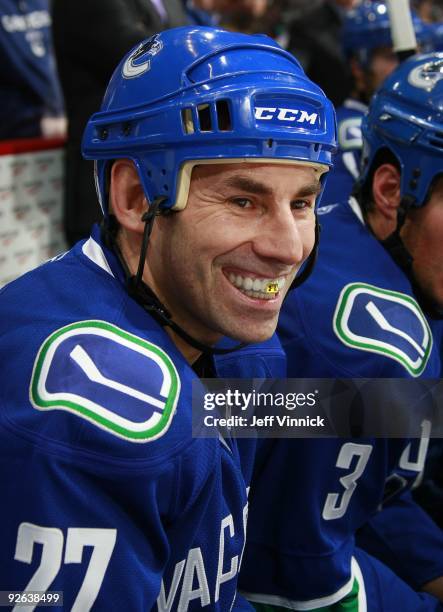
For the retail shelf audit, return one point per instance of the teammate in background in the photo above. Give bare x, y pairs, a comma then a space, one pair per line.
367, 42
369, 309
86, 58
208, 208
31, 98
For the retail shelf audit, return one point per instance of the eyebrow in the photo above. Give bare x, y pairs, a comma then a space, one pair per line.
251, 186
247, 184
308, 190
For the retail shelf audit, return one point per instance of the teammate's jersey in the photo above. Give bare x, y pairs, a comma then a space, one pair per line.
29, 84
354, 317
106, 496
342, 175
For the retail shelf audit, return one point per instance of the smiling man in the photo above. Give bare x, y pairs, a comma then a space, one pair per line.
207, 170
232, 252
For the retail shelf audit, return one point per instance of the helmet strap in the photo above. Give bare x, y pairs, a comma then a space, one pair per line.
395, 245
310, 262
399, 253
141, 292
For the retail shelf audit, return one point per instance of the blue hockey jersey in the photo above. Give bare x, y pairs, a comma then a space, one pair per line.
342, 175
106, 496
354, 317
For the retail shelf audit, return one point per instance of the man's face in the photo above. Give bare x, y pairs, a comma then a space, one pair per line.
223, 264
368, 79
423, 237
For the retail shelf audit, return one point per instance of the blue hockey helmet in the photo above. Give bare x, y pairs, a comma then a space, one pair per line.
406, 117
368, 27
196, 95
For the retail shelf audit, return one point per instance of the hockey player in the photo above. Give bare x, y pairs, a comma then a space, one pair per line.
367, 42
207, 171
369, 310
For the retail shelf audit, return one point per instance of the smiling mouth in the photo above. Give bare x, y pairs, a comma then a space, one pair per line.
257, 288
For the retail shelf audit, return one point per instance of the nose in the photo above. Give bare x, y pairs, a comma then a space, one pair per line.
284, 238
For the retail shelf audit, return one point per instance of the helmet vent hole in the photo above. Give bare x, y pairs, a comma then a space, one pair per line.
149, 173
270, 143
223, 116
163, 171
204, 117
165, 187
316, 146
188, 121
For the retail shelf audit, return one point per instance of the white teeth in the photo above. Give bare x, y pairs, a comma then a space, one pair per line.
248, 284
255, 287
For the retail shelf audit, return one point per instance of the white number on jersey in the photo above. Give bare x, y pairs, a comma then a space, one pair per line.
335, 507
102, 541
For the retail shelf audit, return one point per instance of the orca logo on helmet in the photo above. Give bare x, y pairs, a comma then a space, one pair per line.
133, 67
426, 76
289, 115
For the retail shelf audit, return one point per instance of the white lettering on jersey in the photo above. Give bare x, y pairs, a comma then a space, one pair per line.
228, 521
193, 571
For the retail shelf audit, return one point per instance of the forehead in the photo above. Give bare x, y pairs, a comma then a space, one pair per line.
270, 173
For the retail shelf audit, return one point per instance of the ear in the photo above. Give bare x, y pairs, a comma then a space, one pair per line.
386, 191
128, 201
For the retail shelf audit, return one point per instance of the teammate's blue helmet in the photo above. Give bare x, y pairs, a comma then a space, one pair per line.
196, 95
406, 117
368, 27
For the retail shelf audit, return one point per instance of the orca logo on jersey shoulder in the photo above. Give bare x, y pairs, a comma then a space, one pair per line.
116, 380
139, 61
426, 76
386, 322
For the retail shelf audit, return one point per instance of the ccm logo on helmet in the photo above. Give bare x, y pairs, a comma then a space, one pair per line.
267, 113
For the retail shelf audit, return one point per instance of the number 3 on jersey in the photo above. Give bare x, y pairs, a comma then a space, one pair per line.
337, 503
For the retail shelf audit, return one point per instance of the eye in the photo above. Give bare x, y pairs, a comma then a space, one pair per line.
301, 204
242, 202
